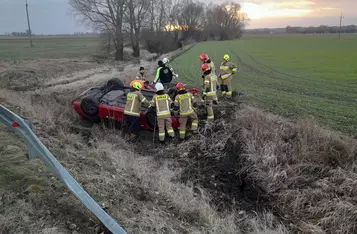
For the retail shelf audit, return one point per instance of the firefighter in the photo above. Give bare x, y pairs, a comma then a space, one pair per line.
162, 103
210, 91
166, 61
132, 112
228, 69
205, 59
163, 75
141, 74
184, 103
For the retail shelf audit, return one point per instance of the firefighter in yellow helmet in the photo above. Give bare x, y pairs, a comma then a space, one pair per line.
228, 69
162, 103
184, 103
210, 91
133, 104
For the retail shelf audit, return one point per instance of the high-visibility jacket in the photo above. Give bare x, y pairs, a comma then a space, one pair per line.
162, 104
133, 103
142, 82
210, 90
227, 69
185, 102
163, 74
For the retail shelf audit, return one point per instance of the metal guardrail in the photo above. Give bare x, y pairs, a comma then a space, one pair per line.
36, 149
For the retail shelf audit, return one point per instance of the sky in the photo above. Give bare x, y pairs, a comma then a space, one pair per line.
51, 16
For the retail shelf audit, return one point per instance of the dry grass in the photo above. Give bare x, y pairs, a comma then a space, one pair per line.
306, 173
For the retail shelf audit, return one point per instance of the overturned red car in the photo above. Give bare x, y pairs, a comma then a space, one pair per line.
108, 102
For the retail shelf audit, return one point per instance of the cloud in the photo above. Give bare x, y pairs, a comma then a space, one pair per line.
257, 9
277, 9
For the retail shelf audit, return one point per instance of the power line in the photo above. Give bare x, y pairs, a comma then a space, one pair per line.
339, 32
28, 23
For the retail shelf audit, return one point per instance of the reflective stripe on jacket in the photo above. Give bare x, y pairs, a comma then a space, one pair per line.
133, 103
162, 104
210, 86
184, 101
227, 69
163, 74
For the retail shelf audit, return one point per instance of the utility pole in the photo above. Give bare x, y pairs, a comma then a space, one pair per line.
339, 32
28, 23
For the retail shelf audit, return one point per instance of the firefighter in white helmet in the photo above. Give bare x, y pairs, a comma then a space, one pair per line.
228, 69
162, 103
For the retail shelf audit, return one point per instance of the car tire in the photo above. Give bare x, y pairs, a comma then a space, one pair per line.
89, 106
115, 84
151, 118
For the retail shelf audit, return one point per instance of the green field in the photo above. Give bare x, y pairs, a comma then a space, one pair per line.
293, 76
47, 48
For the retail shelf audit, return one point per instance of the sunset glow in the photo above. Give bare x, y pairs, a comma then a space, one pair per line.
277, 9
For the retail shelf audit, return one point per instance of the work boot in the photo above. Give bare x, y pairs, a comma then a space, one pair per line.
163, 142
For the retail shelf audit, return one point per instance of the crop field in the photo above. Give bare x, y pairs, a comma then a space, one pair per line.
294, 76
47, 47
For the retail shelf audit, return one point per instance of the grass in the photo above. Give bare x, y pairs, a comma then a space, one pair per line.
48, 48
293, 76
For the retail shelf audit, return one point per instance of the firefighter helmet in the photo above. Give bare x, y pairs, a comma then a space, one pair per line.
205, 67
137, 85
204, 57
159, 87
180, 86
226, 57
165, 61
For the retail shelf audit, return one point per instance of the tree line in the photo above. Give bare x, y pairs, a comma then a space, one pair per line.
322, 29
159, 25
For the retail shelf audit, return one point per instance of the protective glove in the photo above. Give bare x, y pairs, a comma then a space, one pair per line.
203, 76
217, 87
176, 75
195, 104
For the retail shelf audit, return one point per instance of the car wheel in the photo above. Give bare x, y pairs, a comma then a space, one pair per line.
151, 118
114, 84
89, 106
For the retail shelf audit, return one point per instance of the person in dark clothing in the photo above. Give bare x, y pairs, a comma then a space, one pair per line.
164, 75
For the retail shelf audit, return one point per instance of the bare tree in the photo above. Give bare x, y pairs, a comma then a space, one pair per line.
192, 16
104, 14
135, 17
225, 21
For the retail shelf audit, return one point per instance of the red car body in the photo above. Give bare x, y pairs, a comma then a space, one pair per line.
117, 112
